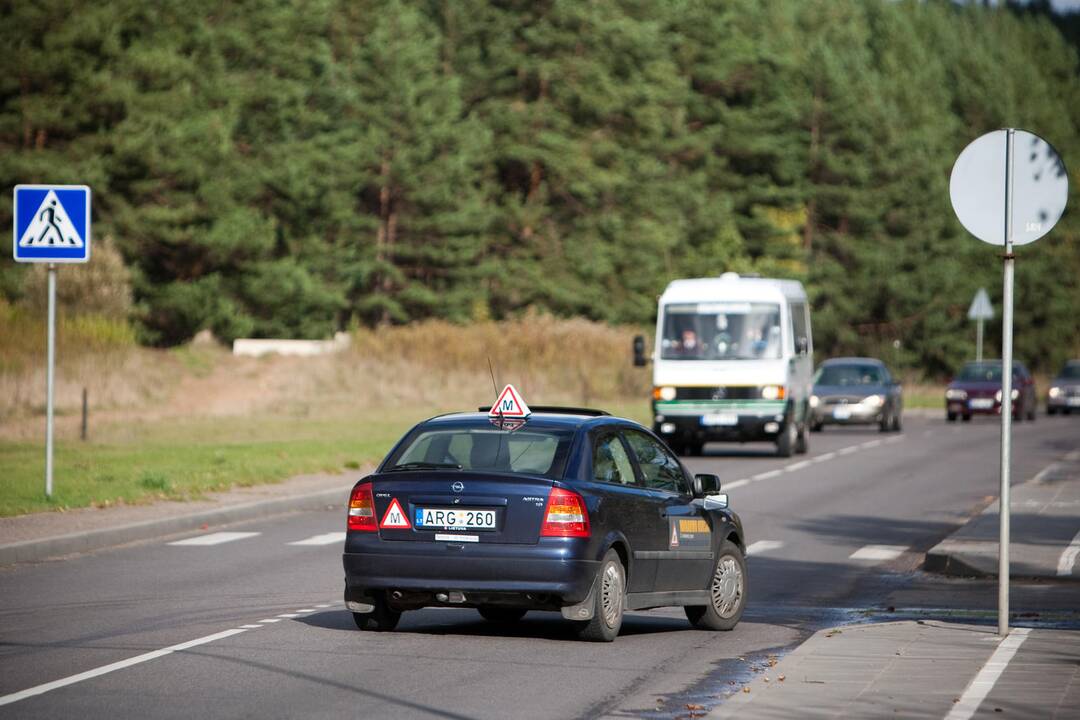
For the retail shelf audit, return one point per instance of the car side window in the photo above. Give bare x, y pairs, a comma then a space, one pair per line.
611, 464
660, 469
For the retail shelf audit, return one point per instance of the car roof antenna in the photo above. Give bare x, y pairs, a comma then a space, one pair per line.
501, 424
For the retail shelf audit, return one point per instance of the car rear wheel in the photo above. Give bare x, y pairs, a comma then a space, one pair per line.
727, 592
802, 441
1051, 411
609, 593
496, 614
967, 418
951, 417
382, 619
897, 423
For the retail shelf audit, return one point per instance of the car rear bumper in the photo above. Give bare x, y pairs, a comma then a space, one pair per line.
419, 568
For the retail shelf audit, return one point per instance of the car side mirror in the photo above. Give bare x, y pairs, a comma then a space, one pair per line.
802, 345
706, 484
639, 351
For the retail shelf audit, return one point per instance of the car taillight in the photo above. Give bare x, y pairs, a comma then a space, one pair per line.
362, 509
565, 515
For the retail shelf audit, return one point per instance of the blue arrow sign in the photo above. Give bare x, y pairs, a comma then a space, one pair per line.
52, 223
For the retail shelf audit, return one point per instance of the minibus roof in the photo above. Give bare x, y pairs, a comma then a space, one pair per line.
730, 287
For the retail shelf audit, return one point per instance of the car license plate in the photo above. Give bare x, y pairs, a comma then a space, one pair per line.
841, 413
720, 419
455, 518
1074, 402
982, 404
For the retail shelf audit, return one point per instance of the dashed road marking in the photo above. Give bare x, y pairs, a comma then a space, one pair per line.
250, 627
267, 621
289, 615
849, 450
215, 538
768, 474
306, 610
824, 458
324, 606
1068, 557
113, 667
797, 466
324, 539
761, 546
984, 682
871, 443
894, 439
878, 553
736, 484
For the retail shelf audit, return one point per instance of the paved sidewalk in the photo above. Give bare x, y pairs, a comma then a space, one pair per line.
40, 536
1044, 530
918, 669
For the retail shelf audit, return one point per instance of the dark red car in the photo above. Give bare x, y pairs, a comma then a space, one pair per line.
977, 391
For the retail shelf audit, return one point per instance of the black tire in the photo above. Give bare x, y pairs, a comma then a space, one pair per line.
1051, 410
504, 615
1031, 413
382, 619
886, 424
694, 448
727, 589
966, 418
785, 443
609, 595
950, 417
1018, 417
816, 427
802, 441
897, 423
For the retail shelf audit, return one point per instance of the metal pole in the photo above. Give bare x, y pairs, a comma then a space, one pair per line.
85, 414
49, 383
1006, 398
978, 340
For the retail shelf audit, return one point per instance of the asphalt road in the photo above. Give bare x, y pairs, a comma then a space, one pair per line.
834, 535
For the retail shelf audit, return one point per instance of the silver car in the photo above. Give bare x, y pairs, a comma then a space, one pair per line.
1064, 392
856, 391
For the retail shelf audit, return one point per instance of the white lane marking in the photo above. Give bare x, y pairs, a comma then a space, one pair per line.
878, 553
1068, 557
288, 615
736, 484
1041, 475
113, 667
849, 450
270, 620
743, 482
251, 627
306, 610
325, 539
768, 474
824, 458
215, 538
871, 443
984, 682
797, 466
323, 607
894, 439
756, 548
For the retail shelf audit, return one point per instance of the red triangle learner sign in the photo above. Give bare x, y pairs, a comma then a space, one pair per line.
509, 405
395, 518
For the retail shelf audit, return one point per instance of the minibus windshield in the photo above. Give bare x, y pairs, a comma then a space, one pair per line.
720, 331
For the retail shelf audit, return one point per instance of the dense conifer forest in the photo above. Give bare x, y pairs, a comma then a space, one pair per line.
269, 168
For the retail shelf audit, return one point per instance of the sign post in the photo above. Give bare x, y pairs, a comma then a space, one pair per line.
1007, 198
51, 225
980, 311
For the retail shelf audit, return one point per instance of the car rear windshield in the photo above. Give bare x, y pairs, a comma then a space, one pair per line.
1071, 371
526, 451
848, 375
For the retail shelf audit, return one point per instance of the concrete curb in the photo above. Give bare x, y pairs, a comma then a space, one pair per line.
36, 550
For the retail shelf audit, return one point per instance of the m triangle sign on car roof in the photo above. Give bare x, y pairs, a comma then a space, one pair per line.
510, 405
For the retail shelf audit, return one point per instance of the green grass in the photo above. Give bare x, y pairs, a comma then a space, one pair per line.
135, 463
179, 461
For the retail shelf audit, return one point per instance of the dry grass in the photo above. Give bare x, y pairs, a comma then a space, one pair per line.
427, 367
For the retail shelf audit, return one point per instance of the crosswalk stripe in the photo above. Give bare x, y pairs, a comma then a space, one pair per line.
761, 546
215, 538
878, 553
324, 539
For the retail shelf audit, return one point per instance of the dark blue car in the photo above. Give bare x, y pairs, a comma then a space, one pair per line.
568, 510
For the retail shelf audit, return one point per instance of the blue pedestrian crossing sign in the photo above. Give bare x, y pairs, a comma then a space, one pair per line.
52, 223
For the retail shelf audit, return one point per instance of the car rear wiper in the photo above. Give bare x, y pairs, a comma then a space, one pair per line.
425, 466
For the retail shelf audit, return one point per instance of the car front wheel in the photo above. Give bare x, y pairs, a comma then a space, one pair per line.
727, 592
